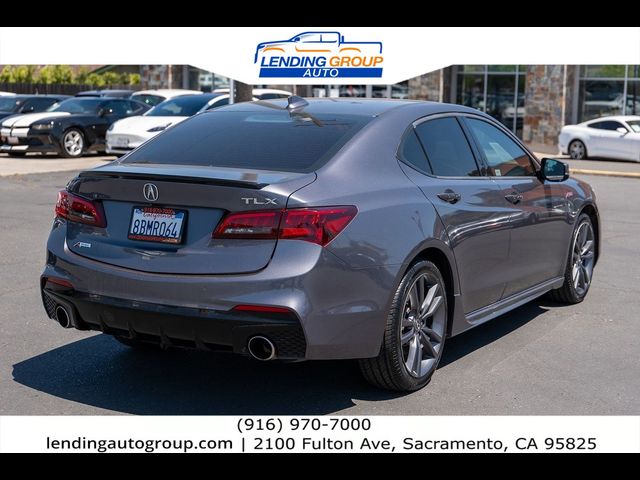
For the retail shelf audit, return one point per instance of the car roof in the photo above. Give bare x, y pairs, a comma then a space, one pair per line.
207, 96
615, 118
98, 99
369, 107
168, 92
44, 95
104, 93
256, 91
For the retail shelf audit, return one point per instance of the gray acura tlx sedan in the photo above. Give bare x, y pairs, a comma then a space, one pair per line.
319, 229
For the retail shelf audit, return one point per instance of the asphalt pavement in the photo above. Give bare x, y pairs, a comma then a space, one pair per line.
542, 358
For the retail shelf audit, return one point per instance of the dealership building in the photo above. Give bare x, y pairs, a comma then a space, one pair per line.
534, 101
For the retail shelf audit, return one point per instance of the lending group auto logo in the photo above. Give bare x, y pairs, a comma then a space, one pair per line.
319, 55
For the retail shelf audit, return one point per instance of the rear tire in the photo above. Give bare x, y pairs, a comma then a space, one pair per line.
578, 273
577, 150
415, 332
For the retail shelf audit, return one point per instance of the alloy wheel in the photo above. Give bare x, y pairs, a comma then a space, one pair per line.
422, 329
583, 258
73, 143
577, 150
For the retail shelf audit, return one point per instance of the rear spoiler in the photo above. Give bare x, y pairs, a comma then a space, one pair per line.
225, 182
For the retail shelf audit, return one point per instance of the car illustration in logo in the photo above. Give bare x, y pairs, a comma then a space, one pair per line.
319, 54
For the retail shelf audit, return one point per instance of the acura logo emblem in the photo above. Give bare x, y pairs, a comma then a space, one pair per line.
150, 192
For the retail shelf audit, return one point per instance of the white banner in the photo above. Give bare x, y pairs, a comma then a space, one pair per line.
320, 55
410, 434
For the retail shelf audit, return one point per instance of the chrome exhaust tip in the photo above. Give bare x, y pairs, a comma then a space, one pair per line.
261, 348
63, 317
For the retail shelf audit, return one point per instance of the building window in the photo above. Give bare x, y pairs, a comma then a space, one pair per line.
398, 91
609, 90
495, 89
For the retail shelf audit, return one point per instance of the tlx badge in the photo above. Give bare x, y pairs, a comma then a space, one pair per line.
257, 201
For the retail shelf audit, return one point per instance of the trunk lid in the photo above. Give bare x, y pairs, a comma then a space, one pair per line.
204, 194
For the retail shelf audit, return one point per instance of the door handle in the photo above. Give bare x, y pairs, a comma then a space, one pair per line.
449, 196
514, 197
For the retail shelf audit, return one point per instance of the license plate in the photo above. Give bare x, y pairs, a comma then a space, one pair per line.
120, 142
157, 224
13, 140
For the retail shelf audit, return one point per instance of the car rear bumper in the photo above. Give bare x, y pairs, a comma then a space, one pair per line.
176, 326
341, 311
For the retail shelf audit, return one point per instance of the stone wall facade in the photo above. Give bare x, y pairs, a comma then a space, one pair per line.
161, 76
549, 92
427, 87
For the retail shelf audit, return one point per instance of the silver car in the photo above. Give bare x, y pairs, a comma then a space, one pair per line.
319, 229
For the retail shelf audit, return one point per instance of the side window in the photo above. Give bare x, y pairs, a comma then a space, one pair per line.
134, 108
611, 125
116, 107
411, 152
37, 104
219, 103
606, 125
310, 38
447, 148
504, 156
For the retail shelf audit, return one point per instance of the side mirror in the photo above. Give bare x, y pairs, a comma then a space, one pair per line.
102, 112
622, 130
554, 170
28, 110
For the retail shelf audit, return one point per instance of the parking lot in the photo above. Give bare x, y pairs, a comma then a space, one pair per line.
542, 358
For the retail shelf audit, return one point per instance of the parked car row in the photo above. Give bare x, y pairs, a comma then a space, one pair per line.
13, 104
99, 120
125, 135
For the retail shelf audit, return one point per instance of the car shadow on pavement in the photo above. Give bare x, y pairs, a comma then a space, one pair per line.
100, 372
489, 332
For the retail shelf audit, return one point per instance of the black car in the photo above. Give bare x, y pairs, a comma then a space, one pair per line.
69, 128
105, 93
27, 104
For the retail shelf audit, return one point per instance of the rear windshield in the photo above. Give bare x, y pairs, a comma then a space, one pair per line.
269, 140
184, 106
148, 99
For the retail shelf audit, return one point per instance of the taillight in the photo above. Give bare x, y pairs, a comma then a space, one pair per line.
81, 210
249, 225
316, 225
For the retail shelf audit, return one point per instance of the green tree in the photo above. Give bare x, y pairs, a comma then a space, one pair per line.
17, 74
55, 74
6, 74
45, 75
81, 75
134, 79
95, 80
110, 78
24, 73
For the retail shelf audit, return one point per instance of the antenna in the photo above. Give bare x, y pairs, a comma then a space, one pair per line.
296, 103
